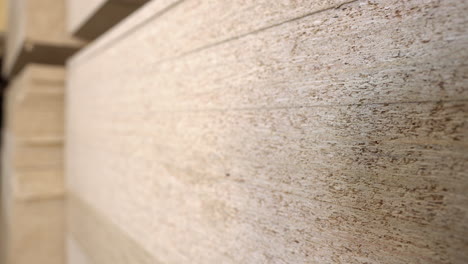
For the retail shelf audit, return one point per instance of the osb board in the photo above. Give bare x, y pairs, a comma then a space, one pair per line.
34, 104
179, 27
88, 19
35, 232
36, 33
337, 137
232, 181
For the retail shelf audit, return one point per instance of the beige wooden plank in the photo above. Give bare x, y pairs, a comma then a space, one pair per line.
36, 170
32, 168
89, 19
32, 213
39, 184
337, 137
36, 80
183, 26
356, 177
34, 134
36, 33
34, 103
35, 233
297, 63
30, 125
30, 156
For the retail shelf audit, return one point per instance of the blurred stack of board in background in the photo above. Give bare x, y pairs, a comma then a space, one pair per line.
33, 196
32, 174
40, 36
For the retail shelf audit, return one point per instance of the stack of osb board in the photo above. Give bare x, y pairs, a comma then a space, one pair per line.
33, 195
271, 132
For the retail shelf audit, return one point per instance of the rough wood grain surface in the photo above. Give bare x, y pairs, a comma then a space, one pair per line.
336, 137
36, 33
200, 24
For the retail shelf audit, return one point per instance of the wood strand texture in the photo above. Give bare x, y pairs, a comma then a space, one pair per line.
305, 132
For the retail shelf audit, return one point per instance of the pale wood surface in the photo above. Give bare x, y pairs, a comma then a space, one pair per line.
337, 137
36, 169
198, 24
33, 133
